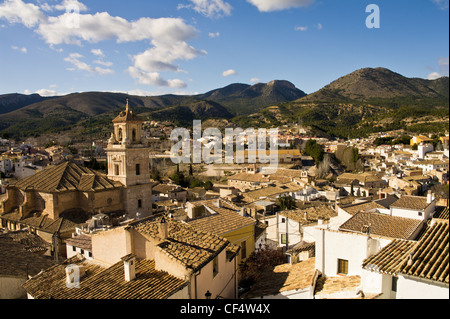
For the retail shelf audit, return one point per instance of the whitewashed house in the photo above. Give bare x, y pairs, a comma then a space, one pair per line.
406, 269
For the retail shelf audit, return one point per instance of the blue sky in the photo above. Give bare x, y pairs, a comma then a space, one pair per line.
193, 46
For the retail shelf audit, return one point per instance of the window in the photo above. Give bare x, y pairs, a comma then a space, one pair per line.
82, 251
342, 267
420, 214
90, 254
394, 283
138, 169
116, 169
215, 266
139, 203
283, 239
133, 135
74, 248
244, 250
283, 220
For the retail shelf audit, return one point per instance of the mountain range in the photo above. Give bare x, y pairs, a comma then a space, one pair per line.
354, 100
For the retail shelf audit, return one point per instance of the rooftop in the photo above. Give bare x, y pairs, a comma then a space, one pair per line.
20, 256
411, 202
104, 283
382, 225
283, 278
309, 215
81, 241
222, 221
67, 177
426, 258
193, 247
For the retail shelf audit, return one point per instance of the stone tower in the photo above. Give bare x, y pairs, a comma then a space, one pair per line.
128, 163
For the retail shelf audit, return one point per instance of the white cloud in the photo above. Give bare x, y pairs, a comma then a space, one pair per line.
214, 34
75, 60
433, 76
104, 63
71, 5
301, 28
277, 5
229, 72
168, 36
46, 7
97, 52
255, 80
209, 8
442, 4
46, 92
319, 26
154, 78
23, 50
16, 11
443, 65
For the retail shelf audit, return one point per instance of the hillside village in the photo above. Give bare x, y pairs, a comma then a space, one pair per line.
338, 219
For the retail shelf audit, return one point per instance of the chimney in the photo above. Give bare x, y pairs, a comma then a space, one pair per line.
163, 230
74, 274
129, 266
429, 197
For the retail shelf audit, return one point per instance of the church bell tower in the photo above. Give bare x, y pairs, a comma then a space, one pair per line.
129, 163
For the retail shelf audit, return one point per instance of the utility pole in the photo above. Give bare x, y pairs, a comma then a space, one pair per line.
287, 234
90, 125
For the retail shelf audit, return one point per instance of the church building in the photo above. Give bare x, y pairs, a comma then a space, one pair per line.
52, 202
129, 163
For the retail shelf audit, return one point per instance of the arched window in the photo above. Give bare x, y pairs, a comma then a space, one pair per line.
120, 134
133, 135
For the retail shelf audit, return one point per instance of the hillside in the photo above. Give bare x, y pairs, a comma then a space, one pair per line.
362, 102
242, 99
371, 84
183, 115
15, 101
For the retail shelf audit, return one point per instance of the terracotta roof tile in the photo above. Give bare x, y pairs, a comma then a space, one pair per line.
411, 202
310, 215
81, 241
67, 177
427, 258
222, 221
192, 247
284, 277
104, 283
382, 225
19, 257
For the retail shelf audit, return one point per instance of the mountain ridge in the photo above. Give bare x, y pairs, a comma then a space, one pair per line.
365, 95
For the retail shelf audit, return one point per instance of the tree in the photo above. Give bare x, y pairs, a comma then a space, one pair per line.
208, 185
256, 263
323, 169
313, 149
155, 174
287, 203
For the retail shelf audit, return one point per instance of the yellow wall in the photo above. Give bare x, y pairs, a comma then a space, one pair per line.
243, 234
